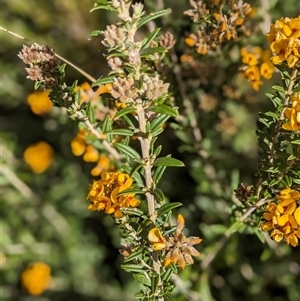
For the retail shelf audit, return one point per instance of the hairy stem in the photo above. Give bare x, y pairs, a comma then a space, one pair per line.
145, 147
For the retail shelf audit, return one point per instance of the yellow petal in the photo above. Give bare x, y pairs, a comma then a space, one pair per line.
297, 215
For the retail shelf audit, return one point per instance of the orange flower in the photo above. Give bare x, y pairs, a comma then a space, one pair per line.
36, 278
39, 156
39, 102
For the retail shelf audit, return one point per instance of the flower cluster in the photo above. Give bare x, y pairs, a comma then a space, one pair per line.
43, 64
36, 278
104, 193
125, 91
216, 23
39, 102
293, 115
39, 156
257, 64
283, 218
179, 247
79, 147
284, 39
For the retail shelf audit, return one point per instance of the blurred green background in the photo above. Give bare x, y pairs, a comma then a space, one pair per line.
44, 217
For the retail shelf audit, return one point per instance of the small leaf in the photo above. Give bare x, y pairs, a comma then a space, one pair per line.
127, 150
168, 207
131, 190
159, 195
95, 33
278, 88
133, 268
154, 283
146, 42
158, 122
103, 4
167, 275
147, 18
157, 150
142, 279
163, 109
123, 112
134, 255
90, 113
121, 132
153, 50
132, 211
103, 81
106, 127
159, 171
168, 161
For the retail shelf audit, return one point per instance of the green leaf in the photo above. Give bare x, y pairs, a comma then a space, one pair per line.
278, 88
103, 4
127, 150
157, 150
123, 112
131, 190
146, 42
132, 211
154, 283
272, 114
147, 18
168, 207
142, 279
158, 122
106, 127
153, 50
95, 33
168, 161
159, 195
90, 112
164, 109
137, 268
159, 171
77, 98
121, 132
167, 275
103, 81
135, 254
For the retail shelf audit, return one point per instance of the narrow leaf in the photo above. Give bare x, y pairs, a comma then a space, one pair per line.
153, 50
123, 112
158, 194
163, 109
158, 173
127, 150
132, 268
167, 161
152, 16
146, 42
103, 81
121, 132
168, 207
142, 279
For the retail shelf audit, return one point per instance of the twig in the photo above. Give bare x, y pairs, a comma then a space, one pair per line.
89, 77
220, 244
